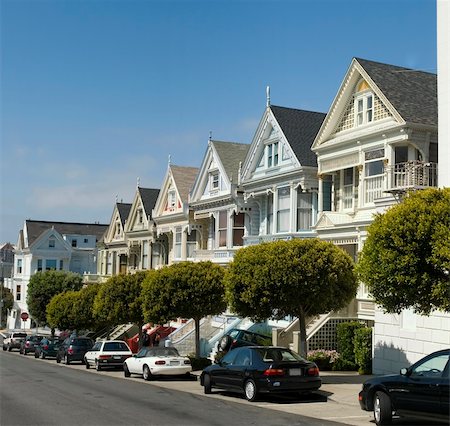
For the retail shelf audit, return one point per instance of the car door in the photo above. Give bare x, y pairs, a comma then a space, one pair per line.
445, 392
91, 355
237, 370
220, 374
136, 362
422, 387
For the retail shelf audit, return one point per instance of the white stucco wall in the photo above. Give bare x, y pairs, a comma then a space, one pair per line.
400, 340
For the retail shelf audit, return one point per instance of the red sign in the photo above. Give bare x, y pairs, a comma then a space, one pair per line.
24, 316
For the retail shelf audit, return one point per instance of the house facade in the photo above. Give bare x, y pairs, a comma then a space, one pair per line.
379, 141
216, 200
44, 246
6, 261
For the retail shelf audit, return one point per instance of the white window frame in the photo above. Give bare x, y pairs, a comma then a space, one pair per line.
171, 199
273, 154
347, 197
365, 114
214, 181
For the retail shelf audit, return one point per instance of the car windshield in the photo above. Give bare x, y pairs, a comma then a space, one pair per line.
116, 346
81, 342
162, 352
278, 354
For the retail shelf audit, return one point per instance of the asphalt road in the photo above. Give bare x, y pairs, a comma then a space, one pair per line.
35, 392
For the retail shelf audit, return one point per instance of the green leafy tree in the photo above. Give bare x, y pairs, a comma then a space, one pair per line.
301, 278
184, 290
405, 261
118, 300
7, 302
60, 312
44, 285
83, 308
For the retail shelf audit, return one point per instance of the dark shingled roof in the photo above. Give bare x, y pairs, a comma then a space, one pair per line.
36, 227
124, 211
412, 93
148, 197
184, 178
300, 128
230, 155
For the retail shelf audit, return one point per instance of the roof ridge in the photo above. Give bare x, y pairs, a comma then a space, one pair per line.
393, 66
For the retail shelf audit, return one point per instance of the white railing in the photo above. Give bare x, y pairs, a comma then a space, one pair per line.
373, 188
413, 174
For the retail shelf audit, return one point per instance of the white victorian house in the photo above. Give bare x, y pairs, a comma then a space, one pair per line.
217, 202
177, 234
43, 246
378, 141
279, 175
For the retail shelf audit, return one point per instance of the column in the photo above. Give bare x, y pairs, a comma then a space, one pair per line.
320, 197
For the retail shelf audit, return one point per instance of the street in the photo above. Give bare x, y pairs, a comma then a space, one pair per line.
35, 392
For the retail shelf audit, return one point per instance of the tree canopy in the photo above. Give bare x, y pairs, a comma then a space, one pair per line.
184, 290
83, 309
298, 277
44, 285
405, 261
60, 312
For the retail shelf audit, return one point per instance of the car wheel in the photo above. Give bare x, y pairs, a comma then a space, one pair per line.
382, 409
4, 348
86, 364
98, 367
58, 359
146, 373
9, 348
250, 390
25, 352
66, 360
36, 355
207, 384
225, 343
42, 355
20, 351
126, 372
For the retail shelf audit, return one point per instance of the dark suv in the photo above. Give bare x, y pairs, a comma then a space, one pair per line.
236, 338
73, 349
28, 345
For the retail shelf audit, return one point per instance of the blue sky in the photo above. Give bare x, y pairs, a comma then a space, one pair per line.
96, 93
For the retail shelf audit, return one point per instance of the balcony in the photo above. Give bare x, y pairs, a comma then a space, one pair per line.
215, 256
412, 174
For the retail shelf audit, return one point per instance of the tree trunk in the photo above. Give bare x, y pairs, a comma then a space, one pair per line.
302, 321
140, 341
197, 337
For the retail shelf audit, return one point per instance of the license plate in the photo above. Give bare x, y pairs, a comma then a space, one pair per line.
117, 357
174, 362
295, 372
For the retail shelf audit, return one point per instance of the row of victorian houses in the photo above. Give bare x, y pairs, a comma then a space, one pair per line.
304, 175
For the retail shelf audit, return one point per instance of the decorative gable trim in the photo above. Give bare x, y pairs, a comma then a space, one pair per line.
114, 226
50, 233
137, 220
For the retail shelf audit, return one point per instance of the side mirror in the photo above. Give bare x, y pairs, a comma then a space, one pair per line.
404, 371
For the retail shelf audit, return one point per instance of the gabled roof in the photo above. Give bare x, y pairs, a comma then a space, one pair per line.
184, 178
412, 93
230, 155
36, 227
148, 197
124, 211
300, 128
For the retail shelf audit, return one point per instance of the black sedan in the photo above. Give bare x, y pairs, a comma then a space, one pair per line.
261, 369
48, 348
420, 391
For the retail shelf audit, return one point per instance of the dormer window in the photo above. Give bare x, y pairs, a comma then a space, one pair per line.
272, 154
214, 181
140, 216
171, 198
364, 109
51, 243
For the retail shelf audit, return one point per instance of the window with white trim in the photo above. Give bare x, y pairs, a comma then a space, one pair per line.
284, 211
238, 229
50, 264
19, 266
364, 109
171, 199
18, 292
178, 235
269, 214
272, 154
223, 222
304, 210
145, 249
39, 265
347, 190
51, 243
373, 174
214, 181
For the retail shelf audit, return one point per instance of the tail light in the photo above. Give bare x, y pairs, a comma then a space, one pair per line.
233, 343
187, 362
45, 347
274, 372
104, 357
160, 362
312, 371
70, 350
27, 344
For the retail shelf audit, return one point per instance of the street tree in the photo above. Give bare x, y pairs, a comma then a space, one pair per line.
184, 290
83, 309
118, 300
301, 278
6, 302
405, 261
60, 312
44, 285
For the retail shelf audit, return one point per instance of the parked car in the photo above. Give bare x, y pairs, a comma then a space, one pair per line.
27, 346
236, 338
13, 340
421, 391
47, 348
73, 349
150, 362
261, 369
108, 353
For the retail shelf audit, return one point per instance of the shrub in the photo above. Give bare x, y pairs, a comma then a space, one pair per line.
323, 358
363, 349
344, 365
345, 333
199, 363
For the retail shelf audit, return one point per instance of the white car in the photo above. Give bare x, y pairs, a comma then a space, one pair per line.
156, 361
108, 353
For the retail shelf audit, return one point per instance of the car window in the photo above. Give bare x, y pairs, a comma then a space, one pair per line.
97, 346
82, 342
142, 353
432, 367
278, 354
233, 333
243, 358
162, 352
116, 346
229, 357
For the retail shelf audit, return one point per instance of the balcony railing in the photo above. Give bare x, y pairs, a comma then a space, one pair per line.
412, 174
